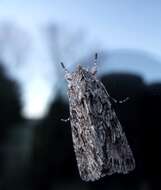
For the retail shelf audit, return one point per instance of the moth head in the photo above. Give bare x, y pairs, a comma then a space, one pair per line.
80, 72
80, 75
93, 70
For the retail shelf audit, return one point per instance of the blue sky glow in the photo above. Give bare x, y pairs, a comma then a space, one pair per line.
113, 24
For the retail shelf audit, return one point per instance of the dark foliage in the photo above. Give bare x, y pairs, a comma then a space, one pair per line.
53, 156
54, 164
10, 104
10, 114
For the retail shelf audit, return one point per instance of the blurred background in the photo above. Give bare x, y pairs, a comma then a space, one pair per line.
36, 150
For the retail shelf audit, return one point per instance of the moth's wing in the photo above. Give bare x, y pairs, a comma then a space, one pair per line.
83, 141
116, 150
100, 144
120, 157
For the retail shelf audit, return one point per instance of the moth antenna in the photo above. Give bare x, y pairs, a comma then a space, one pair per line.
67, 73
65, 69
95, 58
94, 68
62, 64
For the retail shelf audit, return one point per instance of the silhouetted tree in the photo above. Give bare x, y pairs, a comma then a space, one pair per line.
10, 109
10, 103
53, 154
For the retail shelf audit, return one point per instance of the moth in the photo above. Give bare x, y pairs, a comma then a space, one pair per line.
100, 144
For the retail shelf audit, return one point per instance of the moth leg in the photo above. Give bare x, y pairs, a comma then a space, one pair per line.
119, 101
113, 99
66, 120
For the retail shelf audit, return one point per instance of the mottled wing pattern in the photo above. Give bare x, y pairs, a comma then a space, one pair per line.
100, 145
118, 152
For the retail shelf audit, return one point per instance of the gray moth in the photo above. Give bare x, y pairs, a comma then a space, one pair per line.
100, 144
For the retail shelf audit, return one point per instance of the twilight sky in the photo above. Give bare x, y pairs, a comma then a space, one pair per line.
112, 24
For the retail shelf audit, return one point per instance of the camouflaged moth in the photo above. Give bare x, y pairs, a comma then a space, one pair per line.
100, 145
